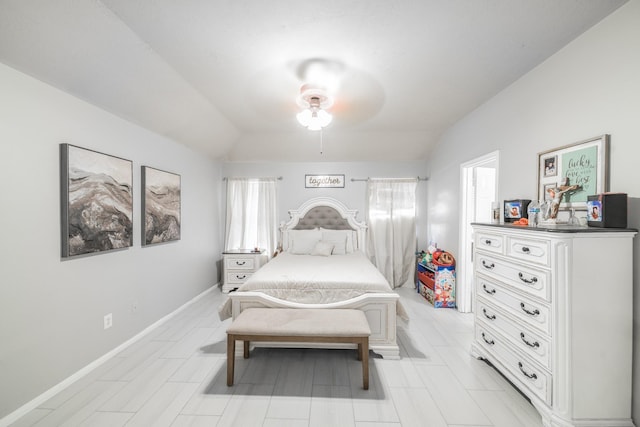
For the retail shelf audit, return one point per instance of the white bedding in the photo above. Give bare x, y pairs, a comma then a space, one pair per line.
312, 279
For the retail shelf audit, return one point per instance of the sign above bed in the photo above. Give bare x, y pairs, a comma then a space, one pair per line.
324, 181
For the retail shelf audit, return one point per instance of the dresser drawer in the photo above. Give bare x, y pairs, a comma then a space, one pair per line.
240, 263
237, 277
531, 250
524, 372
533, 313
534, 345
527, 279
489, 241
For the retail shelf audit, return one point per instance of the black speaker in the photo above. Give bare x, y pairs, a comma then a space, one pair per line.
607, 210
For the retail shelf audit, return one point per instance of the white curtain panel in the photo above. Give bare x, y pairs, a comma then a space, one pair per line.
391, 216
252, 214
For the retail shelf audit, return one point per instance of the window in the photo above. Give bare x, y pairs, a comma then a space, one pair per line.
251, 214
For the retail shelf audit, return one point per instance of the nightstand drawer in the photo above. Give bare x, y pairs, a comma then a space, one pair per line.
237, 277
239, 263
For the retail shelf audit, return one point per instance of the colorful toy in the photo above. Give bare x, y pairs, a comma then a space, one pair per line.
435, 279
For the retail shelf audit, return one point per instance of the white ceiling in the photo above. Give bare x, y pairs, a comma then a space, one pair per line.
223, 76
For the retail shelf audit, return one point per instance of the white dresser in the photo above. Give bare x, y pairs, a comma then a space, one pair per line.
553, 313
238, 266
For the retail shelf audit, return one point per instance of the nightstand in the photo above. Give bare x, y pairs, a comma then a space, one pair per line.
238, 265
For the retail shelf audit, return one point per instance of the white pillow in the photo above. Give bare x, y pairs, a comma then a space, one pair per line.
293, 234
340, 235
339, 243
322, 248
301, 242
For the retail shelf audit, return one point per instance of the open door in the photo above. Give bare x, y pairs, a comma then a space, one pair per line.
479, 189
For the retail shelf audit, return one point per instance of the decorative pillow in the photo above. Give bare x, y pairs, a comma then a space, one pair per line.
322, 248
339, 243
302, 241
346, 236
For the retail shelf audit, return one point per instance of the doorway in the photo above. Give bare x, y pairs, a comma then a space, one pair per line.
478, 189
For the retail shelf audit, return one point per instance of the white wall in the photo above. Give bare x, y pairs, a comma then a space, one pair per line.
292, 192
589, 88
51, 310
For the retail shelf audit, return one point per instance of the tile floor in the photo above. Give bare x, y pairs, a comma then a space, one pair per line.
176, 376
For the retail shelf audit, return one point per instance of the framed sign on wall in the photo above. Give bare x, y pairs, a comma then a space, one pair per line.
324, 181
584, 164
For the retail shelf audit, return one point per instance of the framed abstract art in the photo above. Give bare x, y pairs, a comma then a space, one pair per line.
96, 199
161, 206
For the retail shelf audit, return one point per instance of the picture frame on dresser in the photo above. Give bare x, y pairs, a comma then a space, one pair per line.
584, 163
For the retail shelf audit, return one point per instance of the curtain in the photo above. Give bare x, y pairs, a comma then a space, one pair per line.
251, 214
391, 217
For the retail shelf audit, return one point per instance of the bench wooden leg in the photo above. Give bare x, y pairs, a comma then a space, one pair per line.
365, 363
231, 354
246, 349
359, 351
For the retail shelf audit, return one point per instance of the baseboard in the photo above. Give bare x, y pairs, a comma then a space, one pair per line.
34, 403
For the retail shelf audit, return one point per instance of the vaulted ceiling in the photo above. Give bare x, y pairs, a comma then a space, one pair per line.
222, 76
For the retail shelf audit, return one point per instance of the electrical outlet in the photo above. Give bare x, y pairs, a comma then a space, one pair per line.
108, 320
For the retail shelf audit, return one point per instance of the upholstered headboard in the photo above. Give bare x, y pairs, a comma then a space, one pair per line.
323, 216
327, 213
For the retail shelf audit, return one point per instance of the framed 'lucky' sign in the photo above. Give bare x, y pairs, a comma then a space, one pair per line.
584, 164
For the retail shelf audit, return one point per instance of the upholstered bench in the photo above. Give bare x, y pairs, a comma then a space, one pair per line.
302, 326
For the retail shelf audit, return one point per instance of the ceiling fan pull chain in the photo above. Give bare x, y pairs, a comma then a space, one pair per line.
321, 145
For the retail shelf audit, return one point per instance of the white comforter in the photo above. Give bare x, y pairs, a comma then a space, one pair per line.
312, 279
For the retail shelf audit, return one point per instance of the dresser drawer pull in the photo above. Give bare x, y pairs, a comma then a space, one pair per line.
535, 312
490, 317
241, 262
487, 266
525, 249
490, 342
487, 242
487, 290
532, 376
524, 340
241, 277
533, 279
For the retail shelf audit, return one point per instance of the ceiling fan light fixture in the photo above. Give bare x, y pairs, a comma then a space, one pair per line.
323, 118
314, 101
304, 117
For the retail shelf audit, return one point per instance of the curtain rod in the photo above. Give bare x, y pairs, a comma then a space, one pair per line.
367, 179
279, 178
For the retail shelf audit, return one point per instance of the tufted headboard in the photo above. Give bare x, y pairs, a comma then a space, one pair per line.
323, 216
327, 213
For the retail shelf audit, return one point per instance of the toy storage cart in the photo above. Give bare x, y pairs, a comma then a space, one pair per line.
437, 283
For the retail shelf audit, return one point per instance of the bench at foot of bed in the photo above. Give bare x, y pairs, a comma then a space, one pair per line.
300, 325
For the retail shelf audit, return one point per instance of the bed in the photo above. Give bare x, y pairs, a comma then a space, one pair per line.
323, 265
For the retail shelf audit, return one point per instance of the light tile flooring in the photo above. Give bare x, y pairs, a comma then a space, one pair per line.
176, 376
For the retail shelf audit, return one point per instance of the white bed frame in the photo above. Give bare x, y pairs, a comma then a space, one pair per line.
380, 308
